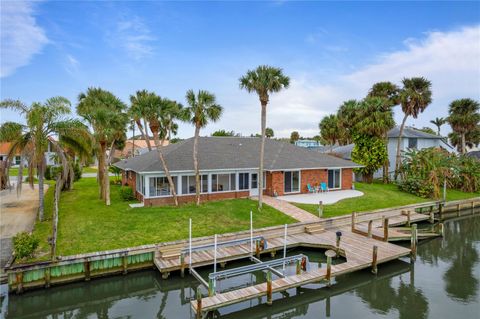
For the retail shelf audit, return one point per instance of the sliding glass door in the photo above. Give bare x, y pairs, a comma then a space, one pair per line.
333, 178
291, 181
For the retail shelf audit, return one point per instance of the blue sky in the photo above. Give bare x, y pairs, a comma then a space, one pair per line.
333, 51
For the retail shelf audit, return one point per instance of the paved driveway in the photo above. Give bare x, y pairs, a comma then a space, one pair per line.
17, 214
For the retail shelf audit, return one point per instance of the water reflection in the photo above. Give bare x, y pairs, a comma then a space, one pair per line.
400, 290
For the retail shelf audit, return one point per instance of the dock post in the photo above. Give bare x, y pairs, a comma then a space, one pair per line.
432, 217
125, 264
440, 210
458, 210
369, 234
385, 229
19, 282
408, 218
211, 288
327, 307
329, 254
199, 303
354, 217
320, 209
339, 237
298, 269
269, 288
86, 265
47, 277
413, 243
182, 265
441, 229
374, 260
257, 249
473, 207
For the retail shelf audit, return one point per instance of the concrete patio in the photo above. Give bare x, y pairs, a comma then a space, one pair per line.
326, 197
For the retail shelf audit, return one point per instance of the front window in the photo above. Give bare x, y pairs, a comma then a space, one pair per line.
292, 181
243, 181
17, 160
333, 178
189, 185
412, 143
223, 182
140, 187
159, 186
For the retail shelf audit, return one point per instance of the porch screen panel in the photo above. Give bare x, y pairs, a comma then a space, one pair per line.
243, 181
159, 186
189, 184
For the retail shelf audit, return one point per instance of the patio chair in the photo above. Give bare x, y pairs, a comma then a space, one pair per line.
311, 189
323, 187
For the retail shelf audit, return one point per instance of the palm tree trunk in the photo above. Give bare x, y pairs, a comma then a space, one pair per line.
397, 157
165, 168
101, 169
464, 146
386, 164
262, 152
41, 190
145, 135
195, 164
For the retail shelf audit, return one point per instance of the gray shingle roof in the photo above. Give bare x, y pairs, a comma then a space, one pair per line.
232, 153
410, 132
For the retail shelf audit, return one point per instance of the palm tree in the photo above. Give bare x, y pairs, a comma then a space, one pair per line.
329, 130
472, 138
414, 97
105, 113
346, 119
202, 109
438, 122
43, 122
264, 80
463, 117
387, 90
154, 111
9, 131
137, 113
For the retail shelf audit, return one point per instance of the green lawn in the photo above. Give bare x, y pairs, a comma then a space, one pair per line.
89, 169
376, 196
87, 225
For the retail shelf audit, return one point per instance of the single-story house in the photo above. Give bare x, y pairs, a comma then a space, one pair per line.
135, 147
50, 154
229, 169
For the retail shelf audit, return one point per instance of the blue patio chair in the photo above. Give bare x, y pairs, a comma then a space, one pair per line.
310, 189
323, 187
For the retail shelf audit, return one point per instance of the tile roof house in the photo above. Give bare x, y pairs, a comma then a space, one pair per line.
229, 169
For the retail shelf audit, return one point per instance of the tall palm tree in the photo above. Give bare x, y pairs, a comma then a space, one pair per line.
9, 131
105, 113
202, 109
438, 122
414, 97
43, 122
387, 90
137, 112
264, 80
155, 110
346, 119
463, 117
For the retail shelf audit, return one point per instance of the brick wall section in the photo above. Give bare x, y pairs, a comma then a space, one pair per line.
274, 183
191, 198
347, 178
129, 179
313, 177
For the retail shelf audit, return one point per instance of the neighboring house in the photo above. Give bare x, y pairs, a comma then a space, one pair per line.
135, 148
308, 143
50, 155
229, 169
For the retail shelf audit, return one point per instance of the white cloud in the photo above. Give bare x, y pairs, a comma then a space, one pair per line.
71, 64
134, 37
450, 60
21, 37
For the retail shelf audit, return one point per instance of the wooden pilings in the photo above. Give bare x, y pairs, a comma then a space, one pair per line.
413, 243
370, 224
269, 288
125, 264
408, 218
298, 269
19, 278
385, 229
257, 249
354, 217
374, 259
330, 254
86, 265
211, 288
199, 303
47, 277
182, 265
458, 210
432, 216
441, 229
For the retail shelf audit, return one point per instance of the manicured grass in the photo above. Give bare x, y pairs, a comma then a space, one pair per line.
87, 225
89, 169
376, 196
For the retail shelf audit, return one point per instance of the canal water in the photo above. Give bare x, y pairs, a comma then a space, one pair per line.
443, 283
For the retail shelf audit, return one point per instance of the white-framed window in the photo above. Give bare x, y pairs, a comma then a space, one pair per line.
243, 181
291, 181
139, 185
189, 185
334, 178
159, 186
17, 160
223, 182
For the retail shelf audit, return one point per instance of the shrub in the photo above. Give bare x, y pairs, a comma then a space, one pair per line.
126, 193
417, 187
24, 245
48, 174
77, 171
